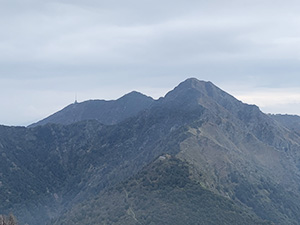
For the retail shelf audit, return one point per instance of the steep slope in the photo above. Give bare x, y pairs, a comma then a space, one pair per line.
239, 152
162, 193
106, 112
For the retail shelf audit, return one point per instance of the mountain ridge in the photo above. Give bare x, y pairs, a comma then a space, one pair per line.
107, 112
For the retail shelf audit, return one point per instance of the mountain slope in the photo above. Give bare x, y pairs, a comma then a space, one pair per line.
162, 193
106, 112
243, 154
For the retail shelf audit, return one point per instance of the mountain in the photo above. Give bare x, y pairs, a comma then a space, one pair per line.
224, 155
106, 112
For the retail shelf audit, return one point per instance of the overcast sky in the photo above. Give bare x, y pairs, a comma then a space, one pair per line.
50, 50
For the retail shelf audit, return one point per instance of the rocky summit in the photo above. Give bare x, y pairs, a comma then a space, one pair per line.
195, 156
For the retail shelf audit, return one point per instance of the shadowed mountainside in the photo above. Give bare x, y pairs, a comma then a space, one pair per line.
106, 112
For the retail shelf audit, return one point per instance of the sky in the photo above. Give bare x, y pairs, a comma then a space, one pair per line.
52, 51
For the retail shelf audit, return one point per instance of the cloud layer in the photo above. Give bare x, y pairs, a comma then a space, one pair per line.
102, 49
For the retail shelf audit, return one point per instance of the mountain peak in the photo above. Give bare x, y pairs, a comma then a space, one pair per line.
205, 87
194, 81
193, 88
135, 95
192, 93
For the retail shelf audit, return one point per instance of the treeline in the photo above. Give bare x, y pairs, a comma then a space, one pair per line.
8, 220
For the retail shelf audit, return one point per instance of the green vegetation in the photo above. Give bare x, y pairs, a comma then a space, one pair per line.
161, 194
44, 169
268, 201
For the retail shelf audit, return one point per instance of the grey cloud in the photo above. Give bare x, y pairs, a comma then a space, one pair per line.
88, 45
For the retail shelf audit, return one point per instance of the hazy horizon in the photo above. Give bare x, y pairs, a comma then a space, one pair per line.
245, 99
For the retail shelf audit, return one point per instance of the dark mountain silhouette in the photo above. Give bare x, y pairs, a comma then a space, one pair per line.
229, 156
106, 112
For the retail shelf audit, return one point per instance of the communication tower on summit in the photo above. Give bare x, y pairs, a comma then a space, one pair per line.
75, 98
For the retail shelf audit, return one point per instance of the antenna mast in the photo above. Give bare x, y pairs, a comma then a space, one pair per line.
76, 98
